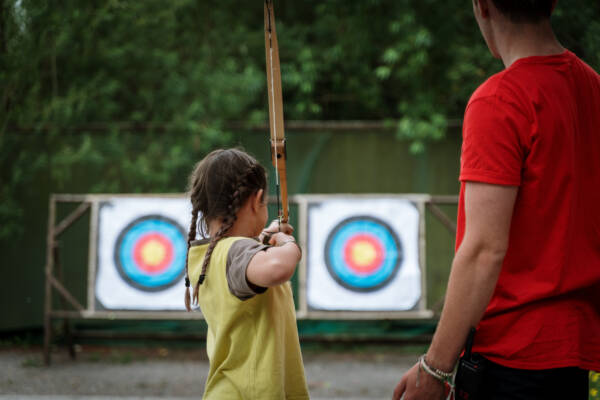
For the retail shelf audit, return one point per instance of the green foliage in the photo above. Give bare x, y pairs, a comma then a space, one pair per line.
594, 385
124, 96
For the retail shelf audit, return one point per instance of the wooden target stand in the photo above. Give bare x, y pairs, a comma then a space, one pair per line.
69, 308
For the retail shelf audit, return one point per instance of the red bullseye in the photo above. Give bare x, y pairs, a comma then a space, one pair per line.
153, 253
363, 253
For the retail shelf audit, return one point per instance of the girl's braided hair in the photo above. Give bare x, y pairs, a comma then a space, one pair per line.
219, 186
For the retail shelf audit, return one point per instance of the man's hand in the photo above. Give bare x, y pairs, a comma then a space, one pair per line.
429, 388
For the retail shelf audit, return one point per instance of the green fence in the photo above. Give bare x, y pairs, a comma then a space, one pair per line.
354, 161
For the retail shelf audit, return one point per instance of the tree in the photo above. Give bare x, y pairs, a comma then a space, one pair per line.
133, 93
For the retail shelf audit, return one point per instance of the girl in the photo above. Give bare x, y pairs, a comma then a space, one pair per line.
242, 285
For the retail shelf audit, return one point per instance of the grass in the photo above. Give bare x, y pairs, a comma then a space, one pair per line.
32, 362
23, 341
594, 385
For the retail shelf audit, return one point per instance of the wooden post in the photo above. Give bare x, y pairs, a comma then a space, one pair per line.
48, 272
303, 239
66, 322
92, 257
442, 217
422, 255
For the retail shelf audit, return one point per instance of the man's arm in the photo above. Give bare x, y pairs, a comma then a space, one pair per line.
473, 278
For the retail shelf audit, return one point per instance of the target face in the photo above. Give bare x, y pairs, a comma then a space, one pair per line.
363, 253
150, 253
141, 252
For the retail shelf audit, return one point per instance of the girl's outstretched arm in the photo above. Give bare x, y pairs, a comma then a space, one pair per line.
277, 264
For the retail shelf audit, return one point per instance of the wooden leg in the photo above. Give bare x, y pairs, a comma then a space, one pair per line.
66, 322
47, 338
69, 339
48, 274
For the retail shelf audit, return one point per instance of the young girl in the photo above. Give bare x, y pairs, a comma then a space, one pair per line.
242, 285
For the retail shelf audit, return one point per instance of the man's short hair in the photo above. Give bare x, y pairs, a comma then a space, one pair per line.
525, 10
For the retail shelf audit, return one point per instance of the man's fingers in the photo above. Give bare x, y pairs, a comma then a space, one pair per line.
400, 388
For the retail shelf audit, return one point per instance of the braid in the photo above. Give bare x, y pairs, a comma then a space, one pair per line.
213, 243
191, 236
239, 193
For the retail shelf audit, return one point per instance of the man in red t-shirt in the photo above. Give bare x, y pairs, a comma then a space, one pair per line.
527, 267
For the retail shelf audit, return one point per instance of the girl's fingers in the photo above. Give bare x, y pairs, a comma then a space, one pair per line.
280, 238
273, 240
276, 226
286, 228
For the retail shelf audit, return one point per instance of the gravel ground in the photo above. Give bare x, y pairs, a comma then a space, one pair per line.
101, 373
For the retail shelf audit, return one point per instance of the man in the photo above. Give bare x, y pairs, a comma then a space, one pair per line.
527, 267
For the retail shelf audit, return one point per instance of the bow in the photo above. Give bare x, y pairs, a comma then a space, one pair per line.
278, 147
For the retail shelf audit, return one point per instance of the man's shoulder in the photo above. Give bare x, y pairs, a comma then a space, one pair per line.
525, 76
490, 88
512, 85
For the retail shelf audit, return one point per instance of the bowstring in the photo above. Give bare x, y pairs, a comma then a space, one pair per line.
274, 122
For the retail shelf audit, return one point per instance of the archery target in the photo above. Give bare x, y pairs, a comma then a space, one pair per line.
150, 253
142, 248
363, 254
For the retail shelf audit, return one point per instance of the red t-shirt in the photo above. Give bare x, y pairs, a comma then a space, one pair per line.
536, 125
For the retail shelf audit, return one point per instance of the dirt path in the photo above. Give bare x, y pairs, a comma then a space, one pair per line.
166, 373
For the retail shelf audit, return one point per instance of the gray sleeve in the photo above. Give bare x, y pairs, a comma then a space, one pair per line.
239, 256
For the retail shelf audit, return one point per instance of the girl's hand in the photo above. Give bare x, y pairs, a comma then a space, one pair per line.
280, 238
274, 227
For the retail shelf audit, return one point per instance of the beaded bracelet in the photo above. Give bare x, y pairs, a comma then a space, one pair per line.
444, 377
447, 378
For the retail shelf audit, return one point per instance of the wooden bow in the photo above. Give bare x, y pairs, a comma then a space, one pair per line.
278, 147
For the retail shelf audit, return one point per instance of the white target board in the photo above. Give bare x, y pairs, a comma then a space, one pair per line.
363, 255
142, 247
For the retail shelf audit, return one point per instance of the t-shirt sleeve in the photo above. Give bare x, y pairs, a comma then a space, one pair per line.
239, 256
493, 137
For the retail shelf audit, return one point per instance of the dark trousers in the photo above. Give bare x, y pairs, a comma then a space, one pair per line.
503, 383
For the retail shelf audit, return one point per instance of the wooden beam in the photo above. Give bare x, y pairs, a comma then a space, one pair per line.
442, 217
71, 218
444, 199
129, 315
65, 293
366, 315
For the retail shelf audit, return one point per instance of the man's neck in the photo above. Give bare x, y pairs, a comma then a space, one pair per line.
517, 41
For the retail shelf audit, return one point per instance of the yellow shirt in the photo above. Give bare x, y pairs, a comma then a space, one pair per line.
252, 344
